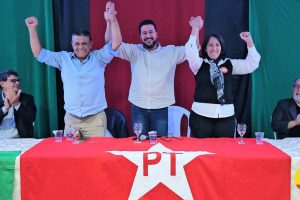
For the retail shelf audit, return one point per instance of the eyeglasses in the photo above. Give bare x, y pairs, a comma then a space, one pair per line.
296, 86
14, 80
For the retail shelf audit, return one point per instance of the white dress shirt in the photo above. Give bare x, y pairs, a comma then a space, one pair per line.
152, 74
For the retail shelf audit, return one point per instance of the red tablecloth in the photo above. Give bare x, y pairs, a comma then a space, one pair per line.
87, 170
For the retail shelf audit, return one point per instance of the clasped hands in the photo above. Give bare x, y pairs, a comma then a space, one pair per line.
196, 22
110, 12
11, 98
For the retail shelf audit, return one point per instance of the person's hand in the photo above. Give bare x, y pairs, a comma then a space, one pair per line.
196, 22
247, 38
297, 120
110, 7
110, 12
7, 104
12, 96
109, 17
31, 22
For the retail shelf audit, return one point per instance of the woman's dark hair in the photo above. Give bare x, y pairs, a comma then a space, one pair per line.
221, 41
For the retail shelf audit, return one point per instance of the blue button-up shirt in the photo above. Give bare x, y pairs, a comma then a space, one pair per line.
83, 82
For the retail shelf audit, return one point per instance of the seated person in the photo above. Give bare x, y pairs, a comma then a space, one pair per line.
18, 110
286, 116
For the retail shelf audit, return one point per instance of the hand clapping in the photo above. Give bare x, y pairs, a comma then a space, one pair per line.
11, 97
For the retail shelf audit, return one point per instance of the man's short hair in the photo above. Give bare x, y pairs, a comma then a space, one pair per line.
82, 33
147, 22
4, 75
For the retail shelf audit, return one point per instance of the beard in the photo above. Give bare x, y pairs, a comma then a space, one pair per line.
151, 46
296, 98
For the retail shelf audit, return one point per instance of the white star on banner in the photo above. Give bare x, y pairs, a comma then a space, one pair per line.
160, 165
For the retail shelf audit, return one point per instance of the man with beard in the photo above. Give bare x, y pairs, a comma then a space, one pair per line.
152, 78
18, 110
286, 116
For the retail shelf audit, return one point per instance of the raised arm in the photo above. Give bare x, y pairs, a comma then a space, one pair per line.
192, 47
35, 44
196, 23
251, 63
107, 35
246, 36
112, 27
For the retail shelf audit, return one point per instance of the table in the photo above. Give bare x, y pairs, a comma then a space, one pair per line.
108, 168
17, 144
291, 146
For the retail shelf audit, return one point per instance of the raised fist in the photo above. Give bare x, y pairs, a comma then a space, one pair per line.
247, 38
196, 22
31, 22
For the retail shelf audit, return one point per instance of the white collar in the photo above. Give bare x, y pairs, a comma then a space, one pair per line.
219, 63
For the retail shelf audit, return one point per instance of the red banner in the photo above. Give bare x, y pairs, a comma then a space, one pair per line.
105, 168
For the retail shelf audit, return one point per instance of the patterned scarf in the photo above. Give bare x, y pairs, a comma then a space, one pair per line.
217, 79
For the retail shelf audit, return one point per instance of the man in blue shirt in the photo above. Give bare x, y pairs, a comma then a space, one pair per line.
82, 73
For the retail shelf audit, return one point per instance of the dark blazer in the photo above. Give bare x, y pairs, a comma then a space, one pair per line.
24, 116
284, 112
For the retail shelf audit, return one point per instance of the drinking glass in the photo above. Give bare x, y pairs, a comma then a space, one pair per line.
76, 135
69, 134
241, 129
58, 135
137, 128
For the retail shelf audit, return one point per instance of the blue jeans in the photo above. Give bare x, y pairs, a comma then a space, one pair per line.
152, 119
